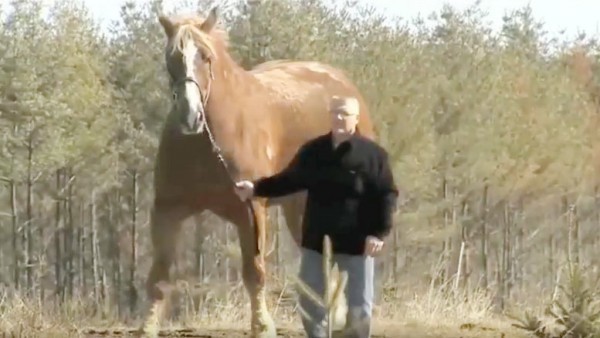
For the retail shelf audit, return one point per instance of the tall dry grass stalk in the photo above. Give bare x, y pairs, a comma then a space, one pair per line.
331, 301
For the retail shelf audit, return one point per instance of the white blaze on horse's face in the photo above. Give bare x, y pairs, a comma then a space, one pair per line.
192, 91
189, 66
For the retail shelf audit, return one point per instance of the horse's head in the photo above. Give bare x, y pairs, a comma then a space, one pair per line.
189, 53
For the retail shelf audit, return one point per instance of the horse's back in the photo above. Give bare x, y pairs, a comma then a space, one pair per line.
311, 72
305, 88
296, 95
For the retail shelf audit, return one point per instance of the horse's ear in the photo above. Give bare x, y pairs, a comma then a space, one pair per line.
210, 21
166, 24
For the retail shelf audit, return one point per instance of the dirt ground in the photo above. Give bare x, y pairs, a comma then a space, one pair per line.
401, 331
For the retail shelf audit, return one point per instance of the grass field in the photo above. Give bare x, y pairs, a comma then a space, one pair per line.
429, 315
382, 329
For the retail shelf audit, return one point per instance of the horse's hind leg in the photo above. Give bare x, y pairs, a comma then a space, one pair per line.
165, 226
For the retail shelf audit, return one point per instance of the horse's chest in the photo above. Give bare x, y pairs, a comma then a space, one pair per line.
192, 168
209, 170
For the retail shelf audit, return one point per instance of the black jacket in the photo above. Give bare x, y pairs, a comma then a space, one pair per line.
351, 192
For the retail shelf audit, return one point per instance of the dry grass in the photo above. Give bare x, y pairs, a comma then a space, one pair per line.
430, 314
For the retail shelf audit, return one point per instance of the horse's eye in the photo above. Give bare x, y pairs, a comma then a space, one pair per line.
205, 57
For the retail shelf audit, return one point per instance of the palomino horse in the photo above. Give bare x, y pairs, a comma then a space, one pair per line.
255, 120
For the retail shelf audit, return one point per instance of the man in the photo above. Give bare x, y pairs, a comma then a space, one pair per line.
351, 196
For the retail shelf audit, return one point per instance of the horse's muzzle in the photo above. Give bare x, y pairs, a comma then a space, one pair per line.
193, 124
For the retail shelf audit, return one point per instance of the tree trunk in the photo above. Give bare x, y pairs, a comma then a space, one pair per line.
396, 270
199, 250
82, 236
59, 287
573, 239
69, 240
447, 245
95, 255
484, 238
15, 232
28, 231
114, 253
227, 263
134, 213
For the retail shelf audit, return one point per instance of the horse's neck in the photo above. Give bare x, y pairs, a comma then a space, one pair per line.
228, 105
234, 119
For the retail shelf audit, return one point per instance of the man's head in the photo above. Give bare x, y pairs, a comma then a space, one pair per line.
344, 115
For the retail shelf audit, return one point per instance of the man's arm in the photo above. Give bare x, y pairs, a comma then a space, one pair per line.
292, 179
387, 195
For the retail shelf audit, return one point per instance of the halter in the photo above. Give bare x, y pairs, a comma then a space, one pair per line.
205, 97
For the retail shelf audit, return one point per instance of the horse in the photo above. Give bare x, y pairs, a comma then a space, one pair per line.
227, 123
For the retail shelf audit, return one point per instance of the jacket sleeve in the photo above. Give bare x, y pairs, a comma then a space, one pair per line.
386, 197
290, 180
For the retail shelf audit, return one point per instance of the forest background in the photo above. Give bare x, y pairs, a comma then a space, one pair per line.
493, 137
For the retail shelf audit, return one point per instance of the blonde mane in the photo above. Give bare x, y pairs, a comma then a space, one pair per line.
188, 28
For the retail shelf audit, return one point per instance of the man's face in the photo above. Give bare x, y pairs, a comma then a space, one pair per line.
342, 122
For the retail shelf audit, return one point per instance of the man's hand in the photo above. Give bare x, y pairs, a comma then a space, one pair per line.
244, 189
373, 246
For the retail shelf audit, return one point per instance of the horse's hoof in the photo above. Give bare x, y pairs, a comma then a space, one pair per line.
264, 329
268, 333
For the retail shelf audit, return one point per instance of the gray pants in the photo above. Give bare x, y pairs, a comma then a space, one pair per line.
359, 292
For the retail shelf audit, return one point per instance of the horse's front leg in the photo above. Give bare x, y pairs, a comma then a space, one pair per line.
165, 225
252, 237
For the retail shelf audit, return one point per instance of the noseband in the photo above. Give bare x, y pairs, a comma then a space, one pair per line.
203, 96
